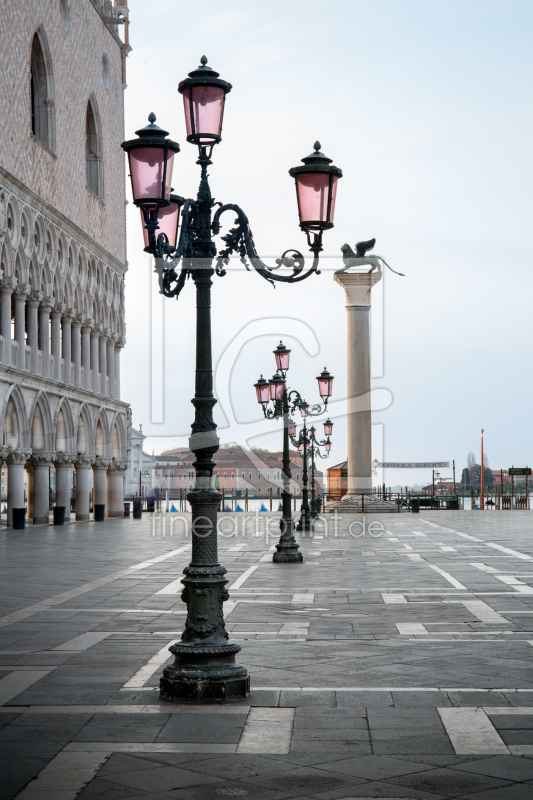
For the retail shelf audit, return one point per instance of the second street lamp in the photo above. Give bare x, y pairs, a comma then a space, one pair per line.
285, 403
314, 451
204, 670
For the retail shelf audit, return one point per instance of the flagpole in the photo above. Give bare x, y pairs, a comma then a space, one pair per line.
481, 499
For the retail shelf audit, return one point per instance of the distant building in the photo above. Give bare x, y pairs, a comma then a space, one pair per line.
338, 478
235, 469
141, 473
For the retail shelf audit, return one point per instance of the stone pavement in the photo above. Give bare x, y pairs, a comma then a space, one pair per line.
394, 664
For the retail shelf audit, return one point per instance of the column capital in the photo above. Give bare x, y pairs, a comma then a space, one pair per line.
62, 460
95, 332
87, 325
58, 310
3, 453
118, 465
34, 299
23, 290
47, 304
357, 286
69, 314
83, 462
41, 458
105, 332
78, 320
101, 463
120, 342
17, 457
9, 284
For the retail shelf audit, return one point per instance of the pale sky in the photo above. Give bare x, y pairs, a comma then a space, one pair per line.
426, 107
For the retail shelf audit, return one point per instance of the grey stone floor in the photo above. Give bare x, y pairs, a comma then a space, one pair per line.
394, 664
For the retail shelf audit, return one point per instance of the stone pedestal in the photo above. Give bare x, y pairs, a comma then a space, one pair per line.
358, 286
83, 465
115, 488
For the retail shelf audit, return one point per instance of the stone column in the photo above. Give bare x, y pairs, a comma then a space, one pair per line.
103, 359
8, 287
15, 482
111, 364
358, 286
41, 462
83, 465
95, 337
23, 290
28, 466
86, 353
119, 344
57, 313
45, 308
115, 488
63, 464
32, 311
66, 341
100, 467
76, 348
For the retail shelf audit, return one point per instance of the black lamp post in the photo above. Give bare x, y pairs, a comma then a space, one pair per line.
204, 670
314, 451
285, 402
303, 443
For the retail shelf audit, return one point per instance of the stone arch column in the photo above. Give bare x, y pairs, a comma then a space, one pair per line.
119, 344
66, 342
76, 348
9, 285
23, 290
41, 462
95, 337
103, 360
83, 465
115, 488
57, 313
100, 467
111, 364
63, 464
32, 312
86, 353
15, 481
45, 308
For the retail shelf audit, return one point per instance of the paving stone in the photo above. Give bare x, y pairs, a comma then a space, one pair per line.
448, 782
163, 779
374, 767
506, 767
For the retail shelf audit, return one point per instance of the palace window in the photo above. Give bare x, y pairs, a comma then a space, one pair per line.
42, 99
93, 152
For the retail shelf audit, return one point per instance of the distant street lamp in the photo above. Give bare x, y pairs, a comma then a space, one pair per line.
314, 451
284, 403
307, 444
204, 670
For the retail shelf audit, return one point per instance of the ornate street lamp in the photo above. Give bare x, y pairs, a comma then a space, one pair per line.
204, 669
314, 451
285, 403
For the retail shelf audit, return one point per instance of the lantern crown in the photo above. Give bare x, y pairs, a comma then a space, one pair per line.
151, 136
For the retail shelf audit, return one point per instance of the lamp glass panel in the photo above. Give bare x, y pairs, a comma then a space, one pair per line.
313, 191
328, 446
325, 386
168, 219
207, 109
146, 170
282, 360
328, 428
292, 430
303, 410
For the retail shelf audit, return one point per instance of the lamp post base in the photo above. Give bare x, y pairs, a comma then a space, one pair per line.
287, 554
201, 678
304, 524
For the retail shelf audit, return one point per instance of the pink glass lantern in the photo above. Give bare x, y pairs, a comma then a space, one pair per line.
325, 385
276, 387
328, 446
292, 429
316, 190
300, 447
262, 389
328, 427
281, 354
204, 95
168, 219
304, 409
312, 431
151, 160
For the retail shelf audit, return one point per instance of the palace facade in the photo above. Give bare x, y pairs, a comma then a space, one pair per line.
62, 253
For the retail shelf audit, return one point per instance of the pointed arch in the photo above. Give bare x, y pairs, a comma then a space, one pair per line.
102, 439
6, 258
14, 419
42, 89
118, 438
84, 432
94, 153
41, 423
64, 430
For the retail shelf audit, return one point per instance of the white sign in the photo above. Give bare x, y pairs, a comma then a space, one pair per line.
413, 464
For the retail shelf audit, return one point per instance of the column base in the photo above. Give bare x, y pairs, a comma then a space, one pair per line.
286, 556
115, 514
82, 517
41, 520
204, 677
